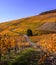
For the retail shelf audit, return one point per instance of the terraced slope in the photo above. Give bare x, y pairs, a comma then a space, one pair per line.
21, 25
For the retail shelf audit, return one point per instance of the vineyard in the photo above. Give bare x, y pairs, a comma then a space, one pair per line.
48, 43
11, 46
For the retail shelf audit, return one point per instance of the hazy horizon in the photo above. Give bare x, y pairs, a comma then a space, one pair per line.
17, 9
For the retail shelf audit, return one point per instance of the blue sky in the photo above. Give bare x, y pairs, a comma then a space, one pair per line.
16, 9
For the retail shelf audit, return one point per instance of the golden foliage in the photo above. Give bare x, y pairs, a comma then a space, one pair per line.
48, 42
10, 42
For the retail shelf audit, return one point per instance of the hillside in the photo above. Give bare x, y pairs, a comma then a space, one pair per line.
48, 12
33, 22
14, 44
51, 26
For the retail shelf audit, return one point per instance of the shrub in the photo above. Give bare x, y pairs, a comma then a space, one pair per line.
29, 32
27, 57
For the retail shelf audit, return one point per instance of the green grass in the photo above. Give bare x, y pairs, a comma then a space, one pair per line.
27, 57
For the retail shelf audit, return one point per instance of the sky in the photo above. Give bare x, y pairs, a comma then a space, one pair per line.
16, 9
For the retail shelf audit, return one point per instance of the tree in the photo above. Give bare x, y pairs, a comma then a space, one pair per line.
29, 32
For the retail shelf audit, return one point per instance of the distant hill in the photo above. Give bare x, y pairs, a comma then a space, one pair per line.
20, 26
48, 12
